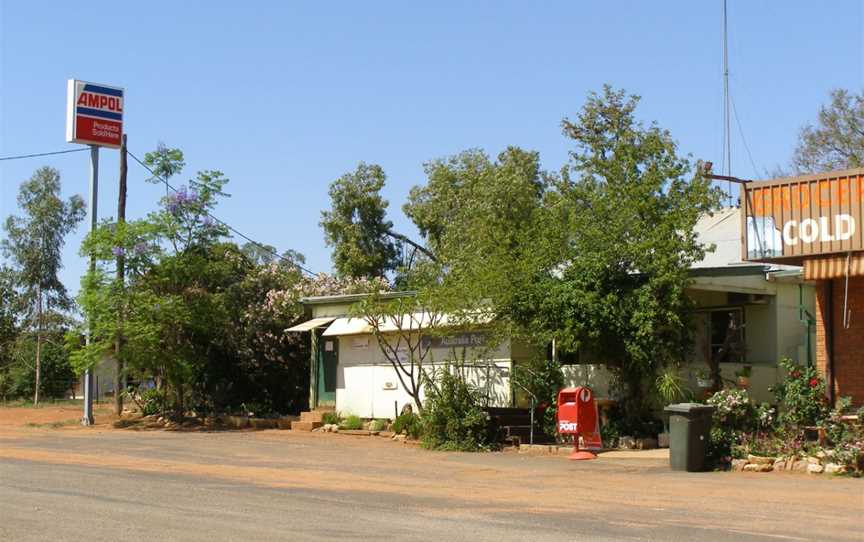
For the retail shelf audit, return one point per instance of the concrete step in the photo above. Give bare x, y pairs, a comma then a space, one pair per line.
305, 426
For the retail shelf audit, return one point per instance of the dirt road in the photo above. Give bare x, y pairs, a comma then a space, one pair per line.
60, 481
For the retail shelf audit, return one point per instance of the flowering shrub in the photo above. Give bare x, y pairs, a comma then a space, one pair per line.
732, 409
734, 416
801, 396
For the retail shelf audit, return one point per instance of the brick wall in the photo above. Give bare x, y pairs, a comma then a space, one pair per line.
848, 343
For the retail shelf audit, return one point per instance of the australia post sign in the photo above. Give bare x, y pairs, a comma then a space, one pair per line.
791, 220
94, 114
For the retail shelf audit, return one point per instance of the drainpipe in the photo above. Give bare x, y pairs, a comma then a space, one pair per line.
828, 322
313, 370
807, 319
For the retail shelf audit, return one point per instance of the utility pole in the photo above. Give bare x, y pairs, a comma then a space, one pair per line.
87, 419
121, 273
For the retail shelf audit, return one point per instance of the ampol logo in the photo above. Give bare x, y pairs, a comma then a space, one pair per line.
94, 114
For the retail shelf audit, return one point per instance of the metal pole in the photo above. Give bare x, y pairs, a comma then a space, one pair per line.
727, 125
87, 419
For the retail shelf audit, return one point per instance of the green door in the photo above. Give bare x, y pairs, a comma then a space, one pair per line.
328, 359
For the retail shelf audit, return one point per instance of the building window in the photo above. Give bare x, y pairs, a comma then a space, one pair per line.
727, 335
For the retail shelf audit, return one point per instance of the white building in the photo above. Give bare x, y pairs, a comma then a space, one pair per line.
350, 371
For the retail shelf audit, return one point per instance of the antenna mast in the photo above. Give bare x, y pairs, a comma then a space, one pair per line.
727, 132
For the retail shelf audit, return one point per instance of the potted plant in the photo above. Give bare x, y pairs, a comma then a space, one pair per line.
703, 380
744, 377
670, 388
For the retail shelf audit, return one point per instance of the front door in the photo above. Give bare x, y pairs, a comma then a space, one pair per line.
328, 359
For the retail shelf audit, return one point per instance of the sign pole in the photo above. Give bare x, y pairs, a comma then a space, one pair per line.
87, 419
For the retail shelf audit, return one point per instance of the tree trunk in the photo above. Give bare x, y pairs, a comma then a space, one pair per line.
38, 345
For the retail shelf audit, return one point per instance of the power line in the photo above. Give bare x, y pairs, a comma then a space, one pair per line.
38, 154
222, 222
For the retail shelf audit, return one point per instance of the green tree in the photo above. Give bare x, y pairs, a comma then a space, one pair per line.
836, 141
613, 283
356, 226
165, 162
9, 311
202, 317
33, 244
481, 218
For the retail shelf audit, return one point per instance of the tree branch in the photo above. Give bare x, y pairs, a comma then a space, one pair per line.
414, 244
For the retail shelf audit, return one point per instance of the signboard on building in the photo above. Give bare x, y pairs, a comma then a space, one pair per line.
476, 339
794, 219
94, 114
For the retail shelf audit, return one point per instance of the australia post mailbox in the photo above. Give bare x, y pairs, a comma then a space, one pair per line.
577, 416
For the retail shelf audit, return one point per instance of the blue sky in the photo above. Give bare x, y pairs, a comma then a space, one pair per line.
285, 97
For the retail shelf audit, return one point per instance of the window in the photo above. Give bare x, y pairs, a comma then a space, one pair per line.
727, 335
564, 357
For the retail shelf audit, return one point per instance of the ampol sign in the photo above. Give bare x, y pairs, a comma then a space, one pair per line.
94, 114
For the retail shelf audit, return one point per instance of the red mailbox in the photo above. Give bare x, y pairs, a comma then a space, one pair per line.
577, 416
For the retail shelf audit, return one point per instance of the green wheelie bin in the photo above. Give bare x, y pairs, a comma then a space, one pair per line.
689, 431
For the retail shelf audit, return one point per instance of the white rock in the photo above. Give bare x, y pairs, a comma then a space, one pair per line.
834, 468
759, 460
814, 468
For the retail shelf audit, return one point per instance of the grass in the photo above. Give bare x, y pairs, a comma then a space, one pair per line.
352, 423
54, 425
331, 418
28, 403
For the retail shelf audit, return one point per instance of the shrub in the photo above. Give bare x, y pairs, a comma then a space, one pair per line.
351, 423
543, 378
331, 418
846, 438
377, 425
800, 396
409, 424
452, 417
152, 401
734, 416
610, 433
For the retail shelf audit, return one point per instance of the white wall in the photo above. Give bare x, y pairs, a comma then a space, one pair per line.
368, 386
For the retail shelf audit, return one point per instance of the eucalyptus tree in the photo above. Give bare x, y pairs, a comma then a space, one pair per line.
836, 140
356, 226
33, 244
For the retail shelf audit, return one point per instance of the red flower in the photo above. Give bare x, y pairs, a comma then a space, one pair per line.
796, 374
814, 382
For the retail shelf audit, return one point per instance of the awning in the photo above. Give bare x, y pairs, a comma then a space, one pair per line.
834, 267
311, 324
348, 326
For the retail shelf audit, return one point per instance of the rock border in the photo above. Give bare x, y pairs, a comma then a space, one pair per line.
809, 464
